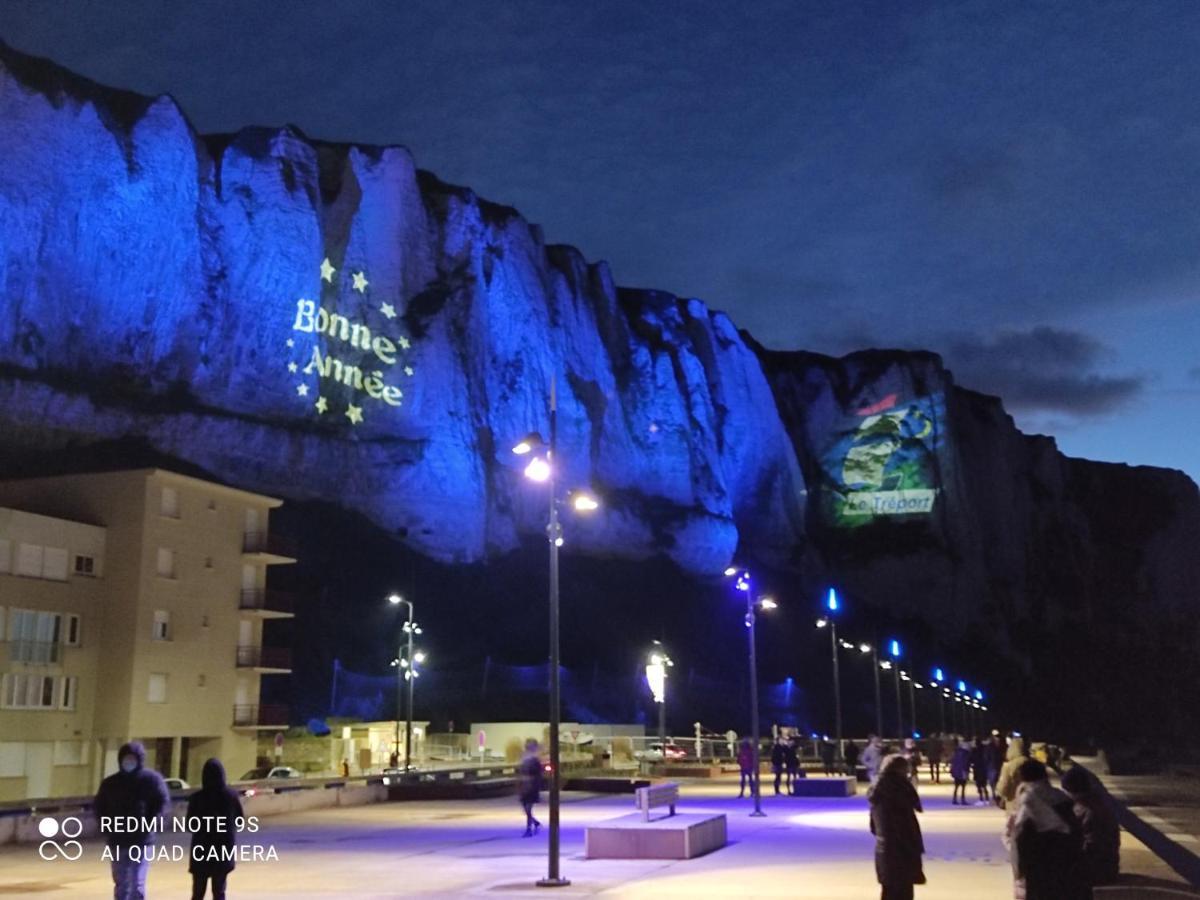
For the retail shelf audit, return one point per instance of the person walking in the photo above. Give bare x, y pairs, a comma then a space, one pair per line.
933, 751
218, 812
898, 846
852, 759
1008, 782
960, 768
1044, 840
791, 758
529, 771
996, 748
979, 770
912, 753
1101, 834
136, 792
872, 756
778, 760
828, 752
745, 760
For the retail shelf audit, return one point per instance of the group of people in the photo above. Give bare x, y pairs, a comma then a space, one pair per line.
135, 792
1061, 843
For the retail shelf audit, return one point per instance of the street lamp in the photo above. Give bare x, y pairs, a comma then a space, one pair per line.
870, 648
752, 606
832, 604
406, 671
540, 469
894, 651
938, 677
656, 677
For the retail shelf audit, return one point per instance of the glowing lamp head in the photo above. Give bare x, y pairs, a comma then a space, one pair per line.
419, 656
537, 470
864, 648
767, 603
395, 599
528, 444
822, 622
831, 602
938, 675
584, 502
731, 571
962, 686
558, 541
978, 694
894, 648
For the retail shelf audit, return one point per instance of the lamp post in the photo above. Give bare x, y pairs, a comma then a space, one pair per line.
870, 648
752, 605
961, 696
938, 677
894, 653
656, 677
979, 708
541, 468
831, 604
405, 671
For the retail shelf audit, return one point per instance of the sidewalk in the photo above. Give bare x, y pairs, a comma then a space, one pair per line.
805, 848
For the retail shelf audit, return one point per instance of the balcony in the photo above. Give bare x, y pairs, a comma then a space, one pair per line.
22, 650
266, 603
267, 548
267, 660
255, 717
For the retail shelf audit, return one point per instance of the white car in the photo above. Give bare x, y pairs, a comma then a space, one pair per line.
177, 784
265, 773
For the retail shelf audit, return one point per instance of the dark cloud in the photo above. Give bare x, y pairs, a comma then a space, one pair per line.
1042, 370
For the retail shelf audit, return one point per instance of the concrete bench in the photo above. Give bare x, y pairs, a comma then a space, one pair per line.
681, 836
838, 786
653, 795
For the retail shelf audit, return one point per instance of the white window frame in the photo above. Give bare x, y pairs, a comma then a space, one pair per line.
150, 692
72, 622
160, 629
84, 564
166, 554
168, 503
30, 560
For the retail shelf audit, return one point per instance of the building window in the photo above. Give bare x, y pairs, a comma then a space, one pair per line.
73, 632
5, 556
84, 565
170, 503
157, 690
162, 625
54, 563
21, 691
34, 636
36, 561
166, 562
70, 687
29, 560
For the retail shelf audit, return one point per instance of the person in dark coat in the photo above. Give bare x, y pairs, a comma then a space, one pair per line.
960, 769
778, 761
791, 757
979, 770
1045, 840
529, 792
745, 759
133, 791
898, 844
218, 812
933, 751
1101, 834
851, 754
828, 752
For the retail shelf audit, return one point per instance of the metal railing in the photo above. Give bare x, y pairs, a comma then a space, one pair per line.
266, 599
264, 657
24, 650
265, 542
252, 715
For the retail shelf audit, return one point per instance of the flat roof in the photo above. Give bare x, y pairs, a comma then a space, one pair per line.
156, 473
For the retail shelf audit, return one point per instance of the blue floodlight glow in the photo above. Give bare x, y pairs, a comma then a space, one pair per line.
894, 648
832, 601
978, 695
938, 675
962, 686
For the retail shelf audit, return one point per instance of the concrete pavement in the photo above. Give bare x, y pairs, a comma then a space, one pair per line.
805, 848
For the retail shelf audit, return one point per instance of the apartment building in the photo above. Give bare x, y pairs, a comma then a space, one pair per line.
132, 606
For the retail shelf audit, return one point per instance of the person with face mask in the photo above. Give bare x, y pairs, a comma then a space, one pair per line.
134, 795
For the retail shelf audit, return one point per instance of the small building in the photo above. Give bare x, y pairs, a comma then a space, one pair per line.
132, 606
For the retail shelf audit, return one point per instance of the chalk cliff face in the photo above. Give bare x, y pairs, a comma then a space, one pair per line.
323, 320
326, 322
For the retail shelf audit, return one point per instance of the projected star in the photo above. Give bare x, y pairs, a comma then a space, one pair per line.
302, 390
403, 342
321, 404
388, 310
290, 342
327, 270
292, 367
360, 282
354, 414
408, 370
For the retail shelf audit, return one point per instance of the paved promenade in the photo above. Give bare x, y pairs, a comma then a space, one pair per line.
805, 848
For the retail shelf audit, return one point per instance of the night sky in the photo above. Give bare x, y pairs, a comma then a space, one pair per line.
1016, 186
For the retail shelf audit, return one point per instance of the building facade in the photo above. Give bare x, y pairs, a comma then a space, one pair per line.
133, 606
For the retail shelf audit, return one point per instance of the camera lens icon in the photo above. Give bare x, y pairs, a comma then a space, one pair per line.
48, 827
70, 827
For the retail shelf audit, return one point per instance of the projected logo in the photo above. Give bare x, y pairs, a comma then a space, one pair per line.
351, 362
884, 462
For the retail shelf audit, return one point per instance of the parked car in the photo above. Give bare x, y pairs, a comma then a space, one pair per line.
654, 752
177, 784
264, 773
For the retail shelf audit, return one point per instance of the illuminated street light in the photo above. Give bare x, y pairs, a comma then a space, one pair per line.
584, 502
765, 604
538, 470
406, 672
876, 665
656, 677
832, 604
894, 650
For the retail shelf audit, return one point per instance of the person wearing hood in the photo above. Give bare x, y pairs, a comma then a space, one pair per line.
898, 844
1101, 833
1045, 841
960, 769
1008, 782
218, 811
138, 792
871, 757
